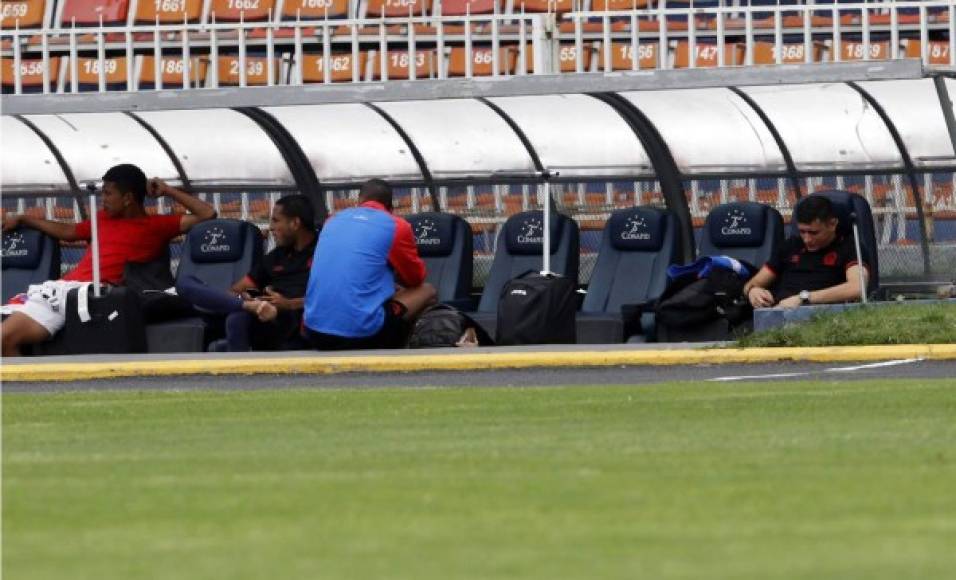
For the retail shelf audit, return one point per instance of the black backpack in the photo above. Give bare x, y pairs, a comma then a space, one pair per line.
690, 302
441, 325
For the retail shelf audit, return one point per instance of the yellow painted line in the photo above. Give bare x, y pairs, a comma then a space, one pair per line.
463, 361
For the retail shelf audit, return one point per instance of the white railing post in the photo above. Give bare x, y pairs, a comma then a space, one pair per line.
749, 38
298, 70
440, 41
411, 48
495, 47
214, 54
721, 39
130, 58
541, 49
383, 50
923, 36
101, 57
157, 58
808, 46
243, 77
865, 24
186, 55
894, 32
778, 35
270, 51
17, 61
952, 36
469, 56
74, 58
662, 48
45, 50
356, 71
837, 44
522, 46
635, 41
326, 50
691, 40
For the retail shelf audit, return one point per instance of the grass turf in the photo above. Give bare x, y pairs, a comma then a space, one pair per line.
767, 480
901, 323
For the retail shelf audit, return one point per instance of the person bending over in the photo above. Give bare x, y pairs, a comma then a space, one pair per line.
126, 234
351, 301
817, 267
264, 309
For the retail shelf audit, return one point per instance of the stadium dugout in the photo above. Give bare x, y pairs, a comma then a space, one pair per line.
681, 141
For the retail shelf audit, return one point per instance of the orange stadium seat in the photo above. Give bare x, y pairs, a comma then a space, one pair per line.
854, 50
617, 5
171, 71
394, 8
22, 13
88, 73
168, 11
31, 73
257, 70
482, 61
462, 7
340, 65
765, 53
555, 6
89, 12
706, 56
426, 65
622, 55
567, 57
245, 10
938, 51
315, 9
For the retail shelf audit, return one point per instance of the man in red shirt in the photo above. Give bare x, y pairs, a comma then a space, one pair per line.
126, 234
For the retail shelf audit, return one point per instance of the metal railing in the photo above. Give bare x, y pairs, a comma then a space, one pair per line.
700, 36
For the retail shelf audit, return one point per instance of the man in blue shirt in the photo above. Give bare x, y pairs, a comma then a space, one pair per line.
364, 253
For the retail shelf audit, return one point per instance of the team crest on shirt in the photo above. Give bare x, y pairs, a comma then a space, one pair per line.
830, 259
14, 246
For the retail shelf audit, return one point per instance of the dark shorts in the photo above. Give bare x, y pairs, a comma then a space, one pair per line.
393, 334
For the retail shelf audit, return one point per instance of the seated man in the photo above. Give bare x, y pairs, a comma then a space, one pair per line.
126, 234
264, 309
352, 301
818, 267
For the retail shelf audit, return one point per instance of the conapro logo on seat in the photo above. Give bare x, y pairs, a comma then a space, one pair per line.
13, 246
531, 231
635, 229
423, 233
214, 240
735, 224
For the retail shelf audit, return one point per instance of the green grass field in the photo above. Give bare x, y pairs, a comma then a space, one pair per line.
771, 480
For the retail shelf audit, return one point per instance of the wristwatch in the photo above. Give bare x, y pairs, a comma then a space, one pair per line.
804, 297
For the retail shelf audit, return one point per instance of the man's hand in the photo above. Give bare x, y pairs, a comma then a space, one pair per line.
277, 300
10, 222
760, 297
156, 187
791, 302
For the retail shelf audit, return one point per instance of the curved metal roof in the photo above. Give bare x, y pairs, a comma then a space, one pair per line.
27, 164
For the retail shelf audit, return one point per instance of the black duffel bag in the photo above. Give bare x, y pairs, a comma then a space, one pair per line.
537, 309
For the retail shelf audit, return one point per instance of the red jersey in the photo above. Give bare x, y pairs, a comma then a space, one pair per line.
123, 240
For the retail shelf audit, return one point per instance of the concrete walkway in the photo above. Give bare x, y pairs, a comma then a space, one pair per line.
87, 367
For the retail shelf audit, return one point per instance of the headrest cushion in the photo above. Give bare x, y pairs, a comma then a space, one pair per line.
638, 229
523, 232
737, 225
23, 248
217, 241
434, 233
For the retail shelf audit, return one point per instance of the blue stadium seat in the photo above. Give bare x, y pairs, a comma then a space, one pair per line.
844, 204
218, 252
445, 244
745, 230
519, 250
29, 257
637, 246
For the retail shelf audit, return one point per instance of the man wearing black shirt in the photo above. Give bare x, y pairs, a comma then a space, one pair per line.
264, 308
818, 267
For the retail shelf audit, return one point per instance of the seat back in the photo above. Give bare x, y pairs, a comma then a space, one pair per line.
519, 250
846, 203
637, 246
744, 230
29, 257
220, 252
445, 245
